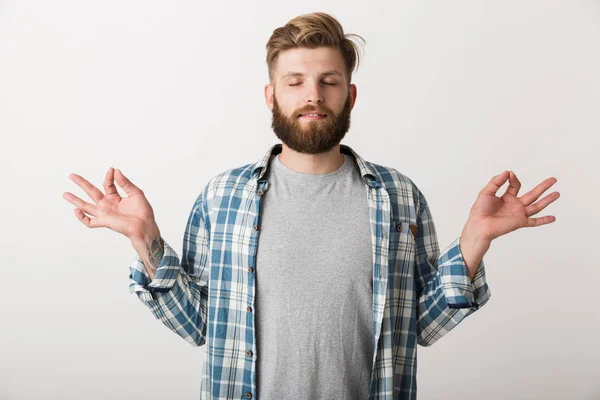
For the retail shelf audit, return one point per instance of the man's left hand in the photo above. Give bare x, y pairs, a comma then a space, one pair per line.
491, 216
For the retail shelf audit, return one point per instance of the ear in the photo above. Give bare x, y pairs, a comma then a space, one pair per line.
269, 89
353, 93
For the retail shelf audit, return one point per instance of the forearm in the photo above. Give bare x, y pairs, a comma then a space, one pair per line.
150, 248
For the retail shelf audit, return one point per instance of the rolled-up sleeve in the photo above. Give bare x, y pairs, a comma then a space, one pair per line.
459, 290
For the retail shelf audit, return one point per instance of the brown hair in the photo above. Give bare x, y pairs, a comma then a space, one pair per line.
313, 30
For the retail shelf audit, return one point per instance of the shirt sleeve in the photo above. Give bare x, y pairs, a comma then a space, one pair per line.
446, 294
178, 294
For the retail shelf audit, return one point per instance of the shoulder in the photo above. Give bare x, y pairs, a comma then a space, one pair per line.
231, 179
405, 195
230, 182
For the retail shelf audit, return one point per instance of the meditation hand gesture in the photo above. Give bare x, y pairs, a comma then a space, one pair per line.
492, 216
130, 216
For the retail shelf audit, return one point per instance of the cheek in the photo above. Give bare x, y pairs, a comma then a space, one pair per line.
338, 100
287, 102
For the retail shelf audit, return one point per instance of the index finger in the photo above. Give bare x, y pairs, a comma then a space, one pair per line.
109, 182
495, 183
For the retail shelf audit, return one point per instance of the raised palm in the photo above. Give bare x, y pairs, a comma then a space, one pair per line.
126, 215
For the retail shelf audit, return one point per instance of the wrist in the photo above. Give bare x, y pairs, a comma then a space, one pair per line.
473, 247
147, 235
150, 247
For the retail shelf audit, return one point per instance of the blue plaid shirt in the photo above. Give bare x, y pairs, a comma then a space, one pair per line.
208, 296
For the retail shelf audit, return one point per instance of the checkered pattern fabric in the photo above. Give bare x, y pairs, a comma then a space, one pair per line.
419, 295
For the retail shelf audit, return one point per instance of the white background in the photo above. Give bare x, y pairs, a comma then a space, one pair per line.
449, 93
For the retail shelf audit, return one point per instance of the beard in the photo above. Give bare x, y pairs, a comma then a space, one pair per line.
318, 136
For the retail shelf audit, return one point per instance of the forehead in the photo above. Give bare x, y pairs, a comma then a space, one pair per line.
309, 61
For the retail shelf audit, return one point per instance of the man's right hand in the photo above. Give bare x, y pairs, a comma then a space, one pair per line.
131, 216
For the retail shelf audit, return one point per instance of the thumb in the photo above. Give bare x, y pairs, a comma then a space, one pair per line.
129, 188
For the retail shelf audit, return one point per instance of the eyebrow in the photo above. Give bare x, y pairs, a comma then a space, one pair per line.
326, 73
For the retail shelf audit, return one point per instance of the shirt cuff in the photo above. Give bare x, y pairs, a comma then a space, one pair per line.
164, 277
458, 289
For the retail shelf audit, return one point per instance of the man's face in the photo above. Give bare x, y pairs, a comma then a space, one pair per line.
310, 81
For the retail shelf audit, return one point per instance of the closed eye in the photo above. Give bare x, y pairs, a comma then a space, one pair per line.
330, 84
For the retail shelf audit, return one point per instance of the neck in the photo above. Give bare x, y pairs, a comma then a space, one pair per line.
323, 163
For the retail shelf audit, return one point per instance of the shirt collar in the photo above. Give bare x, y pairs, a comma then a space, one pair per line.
369, 175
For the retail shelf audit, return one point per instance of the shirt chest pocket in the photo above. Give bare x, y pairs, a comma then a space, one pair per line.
403, 246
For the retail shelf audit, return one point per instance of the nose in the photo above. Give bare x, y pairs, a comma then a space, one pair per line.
314, 94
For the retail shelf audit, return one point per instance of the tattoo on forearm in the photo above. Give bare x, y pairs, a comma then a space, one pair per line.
155, 253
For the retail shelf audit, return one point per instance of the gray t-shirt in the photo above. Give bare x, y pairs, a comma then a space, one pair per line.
314, 286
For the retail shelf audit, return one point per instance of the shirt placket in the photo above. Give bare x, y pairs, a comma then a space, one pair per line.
380, 219
257, 189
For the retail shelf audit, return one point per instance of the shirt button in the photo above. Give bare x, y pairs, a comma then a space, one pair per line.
249, 309
250, 269
249, 353
399, 227
255, 227
249, 395
261, 192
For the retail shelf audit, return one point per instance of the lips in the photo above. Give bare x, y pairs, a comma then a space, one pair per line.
306, 115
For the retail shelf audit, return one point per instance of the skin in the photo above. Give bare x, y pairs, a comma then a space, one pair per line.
490, 216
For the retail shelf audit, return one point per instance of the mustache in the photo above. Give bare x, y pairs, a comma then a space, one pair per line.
313, 111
